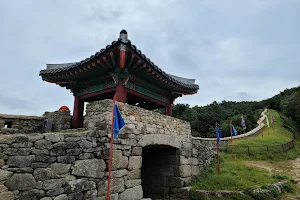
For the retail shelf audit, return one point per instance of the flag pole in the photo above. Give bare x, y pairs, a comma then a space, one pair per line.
217, 144
262, 133
232, 155
110, 153
243, 127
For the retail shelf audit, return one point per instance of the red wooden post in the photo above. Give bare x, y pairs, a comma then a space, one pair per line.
168, 110
218, 156
110, 152
77, 120
121, 93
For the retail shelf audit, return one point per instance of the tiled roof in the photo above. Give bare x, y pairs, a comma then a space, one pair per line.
56, 68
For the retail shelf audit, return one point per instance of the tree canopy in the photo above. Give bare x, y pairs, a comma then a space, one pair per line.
204, 118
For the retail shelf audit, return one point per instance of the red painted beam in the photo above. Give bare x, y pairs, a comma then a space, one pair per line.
146, 97
97, 93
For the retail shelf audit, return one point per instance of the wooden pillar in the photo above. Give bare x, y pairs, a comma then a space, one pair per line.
168, 110
77, 120
121, 92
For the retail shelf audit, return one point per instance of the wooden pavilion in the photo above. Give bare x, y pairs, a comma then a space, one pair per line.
119, 69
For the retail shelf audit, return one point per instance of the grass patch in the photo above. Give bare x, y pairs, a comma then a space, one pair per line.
235, 176
267, 145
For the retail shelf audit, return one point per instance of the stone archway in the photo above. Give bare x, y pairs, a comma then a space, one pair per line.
160, 165
160, 171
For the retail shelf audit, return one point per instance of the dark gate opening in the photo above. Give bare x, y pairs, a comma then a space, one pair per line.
160, 164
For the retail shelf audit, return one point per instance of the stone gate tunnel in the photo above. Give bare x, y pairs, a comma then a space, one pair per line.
160, 167
154, 155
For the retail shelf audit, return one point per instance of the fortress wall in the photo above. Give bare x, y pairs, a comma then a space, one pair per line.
138, 120
210, 142
20, 124
13, 124
154, 155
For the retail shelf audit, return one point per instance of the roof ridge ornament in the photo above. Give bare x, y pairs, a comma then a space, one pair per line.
123, 36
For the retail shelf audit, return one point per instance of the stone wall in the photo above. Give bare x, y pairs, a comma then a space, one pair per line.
145, 132
17, 124
61, 119
54, 166
153, 157
20, 124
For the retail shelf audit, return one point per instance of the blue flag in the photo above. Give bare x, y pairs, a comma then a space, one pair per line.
243, 123
233, 130
118, 121
219, 134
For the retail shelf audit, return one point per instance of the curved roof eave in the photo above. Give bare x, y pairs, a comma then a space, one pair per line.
57, 68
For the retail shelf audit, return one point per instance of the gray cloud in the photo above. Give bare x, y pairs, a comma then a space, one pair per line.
236, 50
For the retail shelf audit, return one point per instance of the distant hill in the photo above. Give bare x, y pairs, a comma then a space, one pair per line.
204, 118
287, 103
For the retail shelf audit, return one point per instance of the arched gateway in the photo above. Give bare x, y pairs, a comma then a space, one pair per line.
154, 154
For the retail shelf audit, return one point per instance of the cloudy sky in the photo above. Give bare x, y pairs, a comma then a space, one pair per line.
235, 49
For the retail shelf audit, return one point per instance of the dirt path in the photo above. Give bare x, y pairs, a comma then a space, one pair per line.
290, 168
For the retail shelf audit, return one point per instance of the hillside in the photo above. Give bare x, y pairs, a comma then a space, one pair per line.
258, 169
204, 118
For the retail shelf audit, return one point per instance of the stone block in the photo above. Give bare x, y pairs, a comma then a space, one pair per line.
20, 161
133, 183
66, 145
41, 174
61, 197
86, 156
40, 152
53, 187
91, 194
184, 160
119, 161
43, 144
183, 171
17, 151
59, 169
22, 145
135, 193
58, 152
53, 137
21, 182
135, 162
136, 151
128, 141
134, 174
80, 185
75, 196
84, 144
4, 175
47, 198
193, 161
74, 152
7, 195
89, 168
3, 188
117, 186
119, 173
66, 159
30, 194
